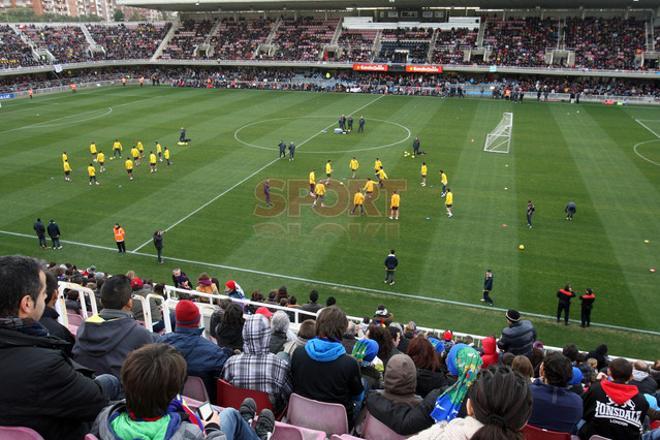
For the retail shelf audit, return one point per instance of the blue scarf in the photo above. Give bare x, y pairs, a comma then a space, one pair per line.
324, 350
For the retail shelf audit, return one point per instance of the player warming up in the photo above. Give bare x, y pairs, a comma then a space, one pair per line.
91, 172
67, 171
128, 165
159, 151
449, 202
395, 203
92, 151
100, 158
153, 161
353, 166
117, 148
358, 202
319, 191
166, 155
328, 172
443, 181
312, 182
382, 177
424, 171
369, 187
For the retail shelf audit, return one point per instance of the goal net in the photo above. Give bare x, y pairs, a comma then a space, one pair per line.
499, 140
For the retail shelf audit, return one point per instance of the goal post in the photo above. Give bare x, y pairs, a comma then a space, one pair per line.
499, 140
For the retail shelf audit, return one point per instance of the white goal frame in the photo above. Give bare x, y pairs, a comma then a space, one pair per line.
499, 140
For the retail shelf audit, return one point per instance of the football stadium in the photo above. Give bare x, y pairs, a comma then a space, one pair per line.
208, 218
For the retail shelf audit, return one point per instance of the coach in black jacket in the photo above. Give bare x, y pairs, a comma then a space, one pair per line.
40, 387
519, 336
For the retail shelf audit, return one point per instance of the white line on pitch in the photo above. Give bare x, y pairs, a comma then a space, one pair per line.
335, 285
647, 127
242, 181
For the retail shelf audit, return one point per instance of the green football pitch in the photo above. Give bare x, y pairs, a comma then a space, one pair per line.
606, 159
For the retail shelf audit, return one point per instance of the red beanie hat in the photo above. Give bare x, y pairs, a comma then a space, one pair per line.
187, 314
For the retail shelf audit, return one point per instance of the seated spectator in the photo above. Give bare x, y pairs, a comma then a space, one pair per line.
365, 351
430, 374
519, 336
397, 406
600, 354
555, 408
463, 363
523, 366
233, 290
575, 384
498, 406
50, 315
280, 326
180, 279
206, 285
312, 306
490, 356
642, 379
140, 288
104, 340
382, 316
256, 368
349, 338
448, 340
229, 330
306, 331
323, 371
41, 389
613, 408
203, 358
386, 347
152, 377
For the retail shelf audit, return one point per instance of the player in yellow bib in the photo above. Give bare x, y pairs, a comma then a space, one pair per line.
93, 151
382, 177
159, 151
153, 160
65, 157
319, 191
67, 171
117, 148
312, 182
100, 158
135, 154
369, 187
140, 148
449, 202
328, 171
358, 202
128, 165
424, 171
91, 172
443, 180
378, 164
395, 203
166, 155
353, 166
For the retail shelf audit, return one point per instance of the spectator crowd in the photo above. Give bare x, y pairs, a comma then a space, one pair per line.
119, 380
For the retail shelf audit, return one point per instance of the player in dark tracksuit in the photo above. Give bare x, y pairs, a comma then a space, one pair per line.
40, 229
564, 295
350, 123
530, 213
488, 287
361, 123
587, 301
292, 150
282, 146
391, 262
416, 145
158, 244
570, 210
54, 233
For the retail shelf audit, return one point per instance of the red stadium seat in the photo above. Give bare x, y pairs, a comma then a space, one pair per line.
18, 433
230, 396
327, 417
534, 433
374, 429
195, 389
285, 431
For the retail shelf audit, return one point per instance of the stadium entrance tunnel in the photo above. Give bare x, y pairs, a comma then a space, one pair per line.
315, 135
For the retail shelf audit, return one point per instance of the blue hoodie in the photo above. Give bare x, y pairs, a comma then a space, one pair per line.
323, 350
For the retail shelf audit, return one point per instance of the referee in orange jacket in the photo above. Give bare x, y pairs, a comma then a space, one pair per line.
120, 236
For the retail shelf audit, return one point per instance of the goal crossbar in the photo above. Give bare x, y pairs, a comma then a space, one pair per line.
499, 140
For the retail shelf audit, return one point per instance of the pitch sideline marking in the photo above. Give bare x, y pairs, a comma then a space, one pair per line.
639, 144
242, 181
331, 284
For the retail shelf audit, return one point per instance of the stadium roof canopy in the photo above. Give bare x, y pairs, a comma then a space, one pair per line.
259, 5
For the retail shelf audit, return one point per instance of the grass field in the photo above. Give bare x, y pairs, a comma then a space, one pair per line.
209, 201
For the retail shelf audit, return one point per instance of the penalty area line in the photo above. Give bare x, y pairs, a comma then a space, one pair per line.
245, 179
337, 285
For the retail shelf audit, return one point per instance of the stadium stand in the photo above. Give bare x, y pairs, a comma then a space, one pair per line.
183, 45
400, 377
405, 45
129, 41
450, 45
302, 39
520, 42
66, 43
239, 39
15, 53
356, 45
